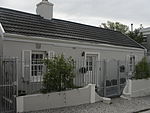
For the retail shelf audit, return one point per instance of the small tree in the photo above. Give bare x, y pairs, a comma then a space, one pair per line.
136, 35
142, 70
59, 75
116, 26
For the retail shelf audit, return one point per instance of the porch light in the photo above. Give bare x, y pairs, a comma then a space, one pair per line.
83, 53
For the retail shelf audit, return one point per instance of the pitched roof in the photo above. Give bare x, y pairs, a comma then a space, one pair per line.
17, 22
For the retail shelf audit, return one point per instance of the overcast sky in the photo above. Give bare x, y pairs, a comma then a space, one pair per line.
92, 12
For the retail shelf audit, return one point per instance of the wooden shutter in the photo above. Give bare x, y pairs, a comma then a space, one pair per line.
51, 54
127, 62
26, 64
136, 59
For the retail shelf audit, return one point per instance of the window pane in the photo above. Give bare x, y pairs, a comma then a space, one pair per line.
36, 56
41, 56
130, 60
89, 63
37, 64
35, 73
132, 63
90, 68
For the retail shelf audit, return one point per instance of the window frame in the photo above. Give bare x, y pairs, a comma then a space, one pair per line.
132, 63
97, 54
37, 77
89, 63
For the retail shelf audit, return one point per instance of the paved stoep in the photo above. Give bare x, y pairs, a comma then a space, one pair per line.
118, 105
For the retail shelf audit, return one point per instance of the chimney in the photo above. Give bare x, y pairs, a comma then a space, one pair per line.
131, 27
45, 9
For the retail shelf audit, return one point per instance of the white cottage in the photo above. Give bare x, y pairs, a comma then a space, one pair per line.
31, 37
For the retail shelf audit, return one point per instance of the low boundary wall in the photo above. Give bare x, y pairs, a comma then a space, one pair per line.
57, 99
137, 88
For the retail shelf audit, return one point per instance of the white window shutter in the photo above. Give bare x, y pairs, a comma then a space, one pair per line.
136, 59
26, 64
85, 58
51, 54
127, 60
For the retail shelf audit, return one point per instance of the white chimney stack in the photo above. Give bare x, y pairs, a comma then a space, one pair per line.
45, 9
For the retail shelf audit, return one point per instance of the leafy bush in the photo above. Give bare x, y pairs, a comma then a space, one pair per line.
59, 75
142, 70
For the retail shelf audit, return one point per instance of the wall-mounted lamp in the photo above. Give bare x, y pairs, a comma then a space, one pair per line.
83, 53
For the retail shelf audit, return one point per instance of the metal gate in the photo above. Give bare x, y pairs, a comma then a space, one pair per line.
8, 85
109, 76
113, 78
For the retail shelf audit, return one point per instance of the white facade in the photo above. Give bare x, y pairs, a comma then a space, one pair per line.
146, 43
145, 31
25, 47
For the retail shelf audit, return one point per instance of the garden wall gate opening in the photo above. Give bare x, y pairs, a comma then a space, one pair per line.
109, 76
113, 78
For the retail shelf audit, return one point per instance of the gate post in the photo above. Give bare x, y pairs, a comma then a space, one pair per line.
104, 78
16, 74
118, 69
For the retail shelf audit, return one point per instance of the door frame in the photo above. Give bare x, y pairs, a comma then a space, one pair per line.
92, 53
97, 59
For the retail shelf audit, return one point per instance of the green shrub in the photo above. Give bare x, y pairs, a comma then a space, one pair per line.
59, 75
142, 70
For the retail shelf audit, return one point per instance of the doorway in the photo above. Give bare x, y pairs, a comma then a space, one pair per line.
92, 65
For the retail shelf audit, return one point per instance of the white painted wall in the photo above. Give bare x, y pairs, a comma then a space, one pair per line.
57, 99
140, 88
1, 39
74, 50
137, 88
13, 47
146, 31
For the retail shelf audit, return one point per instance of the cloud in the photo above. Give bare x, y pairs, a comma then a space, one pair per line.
91, 12
128, 11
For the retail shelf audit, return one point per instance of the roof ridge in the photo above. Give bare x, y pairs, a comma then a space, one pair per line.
19, 11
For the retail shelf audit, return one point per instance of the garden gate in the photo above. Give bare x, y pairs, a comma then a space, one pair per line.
109, 76
8, 85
